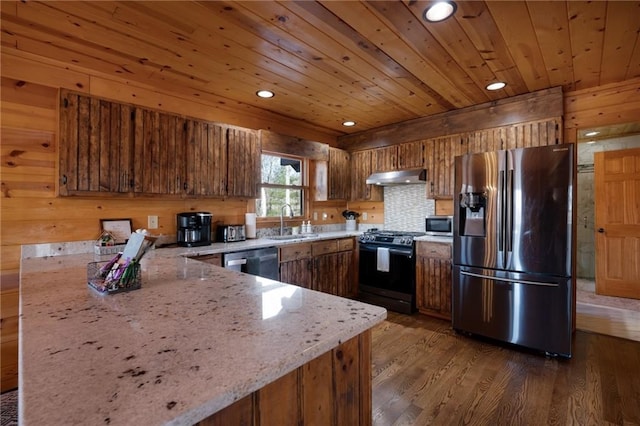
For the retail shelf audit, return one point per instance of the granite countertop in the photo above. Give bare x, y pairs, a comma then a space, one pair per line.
256, 243
435, 239
192, 340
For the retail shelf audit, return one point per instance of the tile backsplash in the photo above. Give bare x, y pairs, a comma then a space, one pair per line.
405, 207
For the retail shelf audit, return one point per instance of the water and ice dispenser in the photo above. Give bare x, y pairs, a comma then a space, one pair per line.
472, 215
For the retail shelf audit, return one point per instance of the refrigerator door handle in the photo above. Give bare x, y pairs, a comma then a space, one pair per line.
499, 233
509, 212
511, 280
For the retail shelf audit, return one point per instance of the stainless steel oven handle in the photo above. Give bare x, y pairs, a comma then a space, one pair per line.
511, 280
406, 253
235, 262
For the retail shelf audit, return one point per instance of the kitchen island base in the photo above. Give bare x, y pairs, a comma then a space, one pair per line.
332, 389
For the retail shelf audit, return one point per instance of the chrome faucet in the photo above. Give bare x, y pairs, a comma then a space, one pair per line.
282, 217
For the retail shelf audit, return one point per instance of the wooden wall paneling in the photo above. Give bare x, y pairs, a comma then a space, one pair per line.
28, 163
283, 144
538, 105
240, 413
30, 69
609, 104
347, 380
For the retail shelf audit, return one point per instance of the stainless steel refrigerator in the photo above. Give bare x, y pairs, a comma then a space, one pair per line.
513, 246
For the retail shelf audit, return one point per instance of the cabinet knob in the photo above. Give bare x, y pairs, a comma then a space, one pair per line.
601, 230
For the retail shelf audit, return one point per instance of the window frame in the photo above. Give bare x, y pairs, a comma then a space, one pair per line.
305, 188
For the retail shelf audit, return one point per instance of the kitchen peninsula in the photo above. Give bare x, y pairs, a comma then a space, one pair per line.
195, 342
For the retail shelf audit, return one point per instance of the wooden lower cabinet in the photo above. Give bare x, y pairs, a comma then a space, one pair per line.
333, 389
326, 266
434, 278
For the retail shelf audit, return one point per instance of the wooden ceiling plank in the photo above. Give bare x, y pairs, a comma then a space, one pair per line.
352, 41
586, 26
361, 19
478, 24
621, 37
165, 74
450, 35
328, 100
333, 57
286, 48
514, 23
552, 30
412, 30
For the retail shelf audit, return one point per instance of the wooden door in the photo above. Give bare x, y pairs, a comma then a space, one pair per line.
617, 199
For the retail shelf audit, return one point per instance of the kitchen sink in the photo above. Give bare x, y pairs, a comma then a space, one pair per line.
291, 237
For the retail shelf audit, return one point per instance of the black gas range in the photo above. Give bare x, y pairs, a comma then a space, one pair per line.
387, 269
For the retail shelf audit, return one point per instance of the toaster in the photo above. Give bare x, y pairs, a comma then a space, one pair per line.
230, 233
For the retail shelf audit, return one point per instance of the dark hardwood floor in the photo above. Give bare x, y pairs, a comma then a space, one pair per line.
425, 373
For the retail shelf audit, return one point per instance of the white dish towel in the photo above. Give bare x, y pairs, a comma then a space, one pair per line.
382, 259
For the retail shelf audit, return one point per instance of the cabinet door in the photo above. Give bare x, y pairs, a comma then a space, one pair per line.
339, 174
384, 159
434, 279
243, 157
96, 142
297, 272
411, 155
360, 171
206, 159
159, 151
440, 156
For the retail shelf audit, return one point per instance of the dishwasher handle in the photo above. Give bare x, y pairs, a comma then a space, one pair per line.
235, 262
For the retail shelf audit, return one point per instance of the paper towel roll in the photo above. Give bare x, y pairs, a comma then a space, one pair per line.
250, 224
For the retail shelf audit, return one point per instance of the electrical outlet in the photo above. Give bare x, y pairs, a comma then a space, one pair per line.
152, 222
315, 215
365, 216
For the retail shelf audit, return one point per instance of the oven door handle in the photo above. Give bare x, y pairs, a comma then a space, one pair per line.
406, 253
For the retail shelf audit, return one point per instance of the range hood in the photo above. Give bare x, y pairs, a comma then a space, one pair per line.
398, 177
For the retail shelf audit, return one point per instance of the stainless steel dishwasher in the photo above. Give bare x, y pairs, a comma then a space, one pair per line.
262, 262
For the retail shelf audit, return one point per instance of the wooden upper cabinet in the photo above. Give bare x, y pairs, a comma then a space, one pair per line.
206, 159
111, 148
360, 171
440, 156
339, 175
243, 170
96, 142
384, 159
411, 155
522, 135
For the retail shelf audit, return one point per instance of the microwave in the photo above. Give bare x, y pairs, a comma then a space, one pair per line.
441, 226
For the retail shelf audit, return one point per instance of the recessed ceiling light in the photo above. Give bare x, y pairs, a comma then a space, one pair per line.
265, 94
349, 123
439, 11
496, 86
589, 134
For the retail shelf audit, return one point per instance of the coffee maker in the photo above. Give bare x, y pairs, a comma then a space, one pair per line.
194, 229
